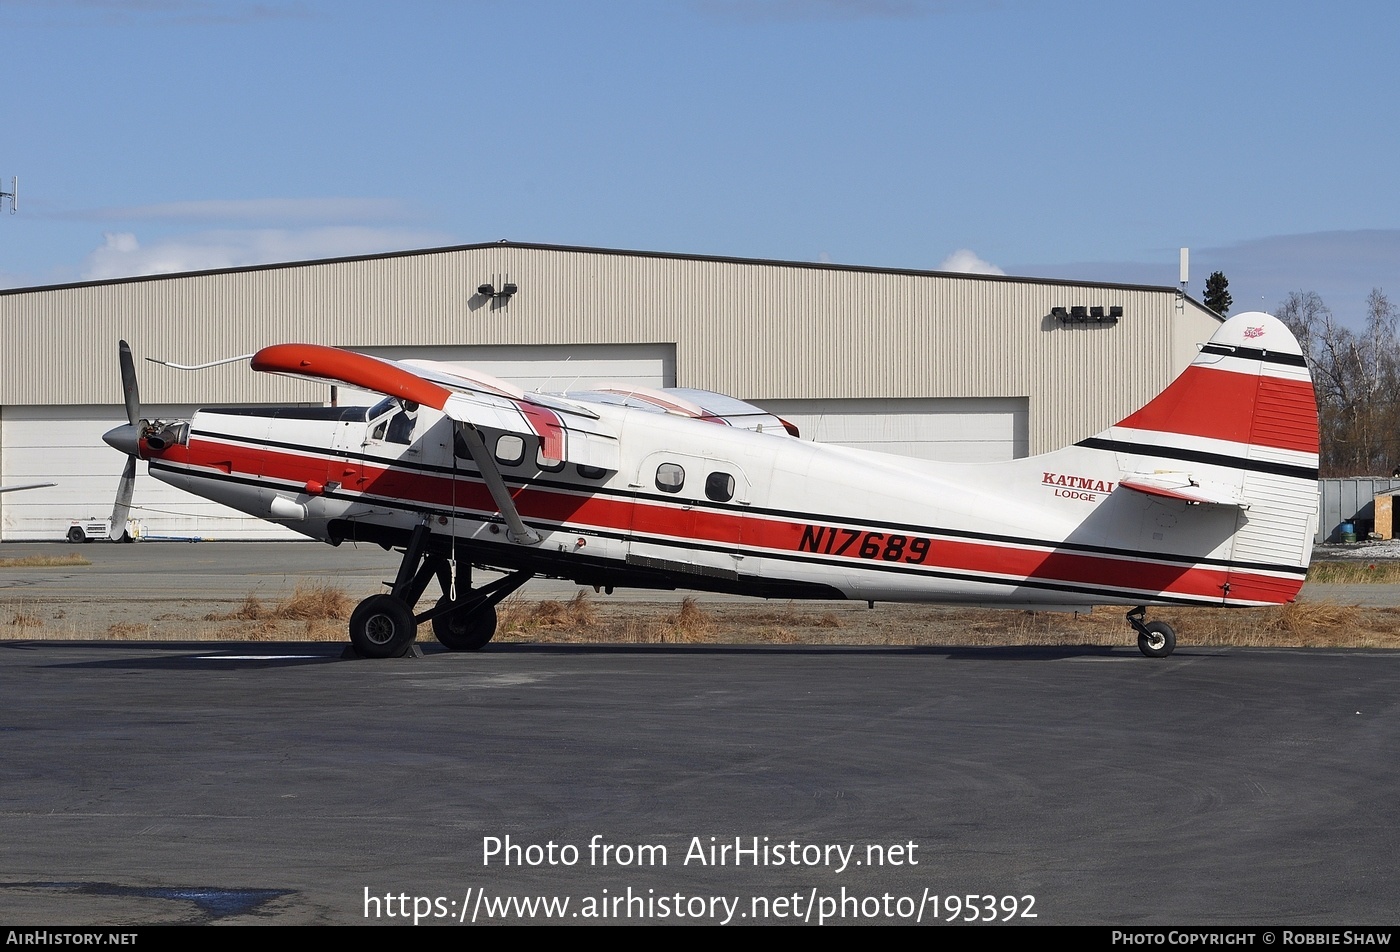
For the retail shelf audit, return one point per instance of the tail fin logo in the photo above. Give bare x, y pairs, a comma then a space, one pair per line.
1252, 332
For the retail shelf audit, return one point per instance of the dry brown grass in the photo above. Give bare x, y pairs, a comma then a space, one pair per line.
579, 621
689, 624
1354, 573
308, 602
520, 619
318, 612
44, 561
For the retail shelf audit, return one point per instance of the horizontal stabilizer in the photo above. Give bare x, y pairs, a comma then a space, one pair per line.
1182, 486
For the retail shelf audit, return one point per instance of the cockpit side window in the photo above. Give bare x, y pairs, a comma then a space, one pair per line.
397, 428
401, 427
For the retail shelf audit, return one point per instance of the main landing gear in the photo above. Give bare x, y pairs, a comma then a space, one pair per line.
384, 626
1156, 639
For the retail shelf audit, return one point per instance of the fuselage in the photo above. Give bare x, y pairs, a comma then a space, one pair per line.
700, 505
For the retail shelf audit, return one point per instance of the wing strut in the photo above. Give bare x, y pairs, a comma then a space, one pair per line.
516, 530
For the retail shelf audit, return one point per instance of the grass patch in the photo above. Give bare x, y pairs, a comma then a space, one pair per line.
44, 561
1354, 573
309, 602
318, 612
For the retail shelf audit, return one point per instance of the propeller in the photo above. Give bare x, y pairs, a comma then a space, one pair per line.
130, 389
127, 439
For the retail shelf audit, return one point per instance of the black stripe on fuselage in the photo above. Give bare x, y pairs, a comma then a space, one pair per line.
685, 580
1200, 456
793, 515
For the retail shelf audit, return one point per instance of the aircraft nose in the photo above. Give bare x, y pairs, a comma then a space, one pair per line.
125, 438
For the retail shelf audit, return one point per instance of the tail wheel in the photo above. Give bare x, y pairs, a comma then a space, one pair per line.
1157, 639
382, 626
465, 630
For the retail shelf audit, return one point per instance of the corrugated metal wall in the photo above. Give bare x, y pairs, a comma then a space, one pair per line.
1347, 500
753, 329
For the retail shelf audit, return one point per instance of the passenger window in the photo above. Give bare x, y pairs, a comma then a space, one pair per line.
719, 487
591, 472
510, 450
670, 478
548, 465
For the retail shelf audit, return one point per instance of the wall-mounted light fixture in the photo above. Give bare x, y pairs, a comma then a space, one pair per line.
489, 290
1084, 314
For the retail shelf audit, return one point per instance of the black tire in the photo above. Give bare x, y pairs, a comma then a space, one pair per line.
465, 630
1157, 640
76, 534
381, 626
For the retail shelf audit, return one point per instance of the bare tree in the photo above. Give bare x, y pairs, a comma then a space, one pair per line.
1356, 376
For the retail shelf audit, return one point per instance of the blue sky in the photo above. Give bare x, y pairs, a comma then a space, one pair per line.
1059, 139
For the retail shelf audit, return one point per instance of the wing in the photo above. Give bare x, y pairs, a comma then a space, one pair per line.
566, 431
704, 405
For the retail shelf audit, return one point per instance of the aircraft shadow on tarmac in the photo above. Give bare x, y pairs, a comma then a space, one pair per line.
224, 656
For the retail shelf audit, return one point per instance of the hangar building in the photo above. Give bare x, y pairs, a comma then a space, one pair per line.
939, 365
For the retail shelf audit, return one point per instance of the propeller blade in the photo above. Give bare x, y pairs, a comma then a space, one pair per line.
121, 510
130, 390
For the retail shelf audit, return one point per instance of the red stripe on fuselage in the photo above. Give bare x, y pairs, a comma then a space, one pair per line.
711, 527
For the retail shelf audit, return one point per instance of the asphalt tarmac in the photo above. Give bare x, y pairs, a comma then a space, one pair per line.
230, 570
180, 783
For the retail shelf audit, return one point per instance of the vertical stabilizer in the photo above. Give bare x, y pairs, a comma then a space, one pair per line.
1239, 425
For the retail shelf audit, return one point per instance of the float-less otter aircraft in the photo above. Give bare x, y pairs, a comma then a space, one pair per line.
1205, 496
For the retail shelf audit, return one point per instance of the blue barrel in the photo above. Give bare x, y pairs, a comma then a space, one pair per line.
1348, 532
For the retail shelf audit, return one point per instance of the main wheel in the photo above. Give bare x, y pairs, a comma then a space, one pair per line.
1157, 640
381, 626
76, 535
465, 630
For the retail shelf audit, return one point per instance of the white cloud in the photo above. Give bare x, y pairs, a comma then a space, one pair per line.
966, 262
122, 255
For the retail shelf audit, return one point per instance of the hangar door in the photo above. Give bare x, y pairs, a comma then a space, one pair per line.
64, 444
952, 429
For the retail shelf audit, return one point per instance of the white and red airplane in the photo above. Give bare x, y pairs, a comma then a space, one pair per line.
1205, 496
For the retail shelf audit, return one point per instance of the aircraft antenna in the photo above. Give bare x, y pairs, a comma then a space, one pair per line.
12, 194
549, 381
1185, 278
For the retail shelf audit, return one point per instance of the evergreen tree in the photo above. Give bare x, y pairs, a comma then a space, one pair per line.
1217, 296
